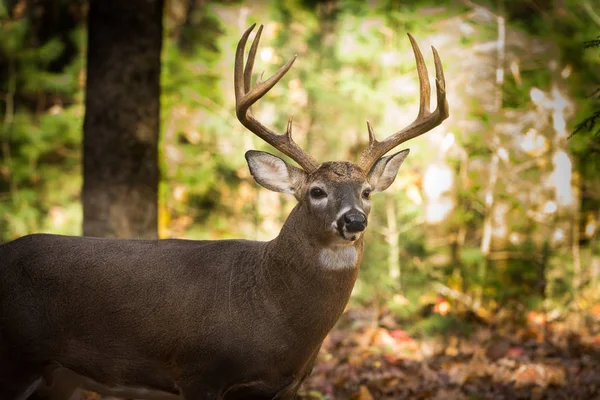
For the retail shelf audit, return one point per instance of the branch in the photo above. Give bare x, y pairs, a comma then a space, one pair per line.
588, 124
592, 43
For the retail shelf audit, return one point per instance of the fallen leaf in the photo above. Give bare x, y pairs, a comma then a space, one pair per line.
364, 393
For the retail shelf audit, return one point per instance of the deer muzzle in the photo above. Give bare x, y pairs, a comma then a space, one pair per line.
353, 221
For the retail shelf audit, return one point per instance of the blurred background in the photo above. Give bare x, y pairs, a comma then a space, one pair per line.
491, 225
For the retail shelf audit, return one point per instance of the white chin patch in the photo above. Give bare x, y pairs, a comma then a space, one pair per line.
350, 236
344, 234
338, 257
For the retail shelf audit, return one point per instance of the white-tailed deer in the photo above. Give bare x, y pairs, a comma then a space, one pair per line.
223, 319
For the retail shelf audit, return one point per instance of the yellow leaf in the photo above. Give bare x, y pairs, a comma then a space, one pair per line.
364, 393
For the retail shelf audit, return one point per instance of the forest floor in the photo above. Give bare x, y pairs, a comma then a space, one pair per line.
535, 359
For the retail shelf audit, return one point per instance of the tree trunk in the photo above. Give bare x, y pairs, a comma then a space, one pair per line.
120, 145
391, 237
492, 214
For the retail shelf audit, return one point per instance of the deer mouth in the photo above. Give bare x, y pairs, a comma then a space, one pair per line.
350, 237
342, 232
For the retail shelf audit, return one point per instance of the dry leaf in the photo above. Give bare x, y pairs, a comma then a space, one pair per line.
364, 393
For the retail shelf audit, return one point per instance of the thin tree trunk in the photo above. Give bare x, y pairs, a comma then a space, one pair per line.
595, 256
120, 161
488, 223
488, 227
391, 237
575, 237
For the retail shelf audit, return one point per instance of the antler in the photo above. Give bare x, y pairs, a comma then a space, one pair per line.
425, 120
245, 97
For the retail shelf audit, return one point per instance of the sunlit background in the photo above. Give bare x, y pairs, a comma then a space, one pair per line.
494, 214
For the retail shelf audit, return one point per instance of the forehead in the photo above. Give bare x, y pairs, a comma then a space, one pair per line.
338, 171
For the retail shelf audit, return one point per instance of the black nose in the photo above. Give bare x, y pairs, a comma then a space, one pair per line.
355, 221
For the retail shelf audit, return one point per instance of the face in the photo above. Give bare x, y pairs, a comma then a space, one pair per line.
336, 195
338, 199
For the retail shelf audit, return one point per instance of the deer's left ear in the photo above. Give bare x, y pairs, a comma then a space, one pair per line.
273, 173
384, 172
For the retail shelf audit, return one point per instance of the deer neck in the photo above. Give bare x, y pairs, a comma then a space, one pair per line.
316, 277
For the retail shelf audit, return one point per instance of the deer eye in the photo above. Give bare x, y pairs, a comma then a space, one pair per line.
366, 194
317, 193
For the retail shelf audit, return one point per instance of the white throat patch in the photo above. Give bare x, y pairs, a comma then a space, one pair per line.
338, 258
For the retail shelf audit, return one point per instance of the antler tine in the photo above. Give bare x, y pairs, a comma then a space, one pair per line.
425, 120
251, 58
424, 88
440, 86
246, 96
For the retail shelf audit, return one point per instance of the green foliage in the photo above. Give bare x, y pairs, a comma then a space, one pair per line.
591, 122
41, 131
441, 325
515, 94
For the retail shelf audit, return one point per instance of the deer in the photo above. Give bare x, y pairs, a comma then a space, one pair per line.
212, 319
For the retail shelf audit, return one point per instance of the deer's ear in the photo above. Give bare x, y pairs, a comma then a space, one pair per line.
273, 173
383, 173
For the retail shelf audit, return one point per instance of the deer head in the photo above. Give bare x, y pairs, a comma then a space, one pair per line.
335, 195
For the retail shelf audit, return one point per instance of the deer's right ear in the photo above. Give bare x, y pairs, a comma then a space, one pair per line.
273, 173
384, 171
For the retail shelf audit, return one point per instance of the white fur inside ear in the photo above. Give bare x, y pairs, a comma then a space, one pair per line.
270, 172
388, 175
384, 172
273, 170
